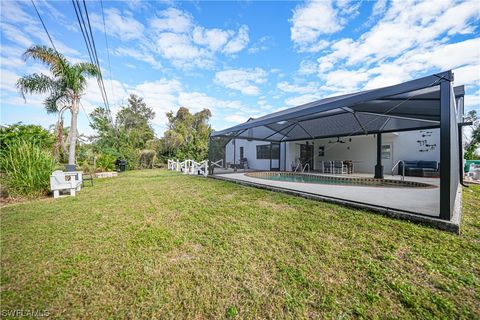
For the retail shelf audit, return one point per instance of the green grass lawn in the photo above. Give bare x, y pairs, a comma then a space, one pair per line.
157, 244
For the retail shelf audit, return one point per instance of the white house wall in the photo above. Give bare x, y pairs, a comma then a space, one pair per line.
250, 152
362, 150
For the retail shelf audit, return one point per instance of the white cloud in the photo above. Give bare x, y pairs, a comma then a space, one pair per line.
405, 27
239, 42
261, 44
121, 25
10, 95
463, 57
8, 80
299, 100
15, 35
316, 18
236, 118
472, 101
181, 52
11, 11
345, 80
116, 93
214, 39
197, 101
411, 39
294, 88
379, 8
468, 75
243, 80
172, 35
139, 55
307, 67
173, 20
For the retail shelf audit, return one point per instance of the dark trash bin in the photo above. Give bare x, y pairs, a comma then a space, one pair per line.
120, 165
70, 167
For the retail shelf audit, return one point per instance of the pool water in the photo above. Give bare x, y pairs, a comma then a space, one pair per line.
335, 180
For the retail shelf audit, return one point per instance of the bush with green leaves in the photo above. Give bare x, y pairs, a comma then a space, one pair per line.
21, 132
106, 162
26, 168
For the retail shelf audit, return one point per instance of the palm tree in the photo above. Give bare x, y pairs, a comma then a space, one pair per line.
65, 86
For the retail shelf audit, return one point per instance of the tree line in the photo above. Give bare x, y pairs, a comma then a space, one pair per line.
29, 153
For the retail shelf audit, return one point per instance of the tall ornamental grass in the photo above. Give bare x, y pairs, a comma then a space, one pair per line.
25, 169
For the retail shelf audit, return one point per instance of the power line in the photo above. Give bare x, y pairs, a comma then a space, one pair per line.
91, 48
45, 27
108, 49
96, 55
88, 117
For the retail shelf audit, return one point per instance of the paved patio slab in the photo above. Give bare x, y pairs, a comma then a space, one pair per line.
417, 204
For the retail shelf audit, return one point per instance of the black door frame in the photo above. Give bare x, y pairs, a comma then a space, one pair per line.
311, 159
277, 168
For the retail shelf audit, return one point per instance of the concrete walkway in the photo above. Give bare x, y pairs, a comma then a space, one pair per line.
423, 201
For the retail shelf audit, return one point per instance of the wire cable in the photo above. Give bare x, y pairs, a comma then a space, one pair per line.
91, 48
88, 117
108, 49
96, 55
44, 27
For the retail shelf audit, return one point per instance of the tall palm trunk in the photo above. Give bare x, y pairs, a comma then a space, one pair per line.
73, 131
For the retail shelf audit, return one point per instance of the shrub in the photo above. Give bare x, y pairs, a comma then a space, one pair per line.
106, 162
86, 167
26, 169
20, 132
147, 158
132, 156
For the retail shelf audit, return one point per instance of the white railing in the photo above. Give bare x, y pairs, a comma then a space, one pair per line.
403, 168
307, 165
189, 166
218, 163
299, 166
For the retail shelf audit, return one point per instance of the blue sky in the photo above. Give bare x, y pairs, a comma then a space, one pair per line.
242, 59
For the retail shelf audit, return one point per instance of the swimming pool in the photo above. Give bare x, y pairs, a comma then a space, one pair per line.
336, 180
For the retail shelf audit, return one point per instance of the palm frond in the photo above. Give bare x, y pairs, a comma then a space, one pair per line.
56, 61
86, 68
57, 96
35, 83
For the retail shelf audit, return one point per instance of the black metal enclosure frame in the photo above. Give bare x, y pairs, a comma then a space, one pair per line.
425, 103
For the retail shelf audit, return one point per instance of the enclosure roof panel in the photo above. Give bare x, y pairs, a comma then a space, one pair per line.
407, 106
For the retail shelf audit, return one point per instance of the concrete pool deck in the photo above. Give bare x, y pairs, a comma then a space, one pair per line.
418, 204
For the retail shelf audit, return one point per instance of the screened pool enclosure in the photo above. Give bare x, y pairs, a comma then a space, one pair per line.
428, 103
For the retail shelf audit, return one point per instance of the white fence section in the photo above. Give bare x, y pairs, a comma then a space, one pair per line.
189, 166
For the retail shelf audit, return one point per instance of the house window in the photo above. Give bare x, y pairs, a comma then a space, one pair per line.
321, 151
241, 153
386, 151
263, 151
275, 150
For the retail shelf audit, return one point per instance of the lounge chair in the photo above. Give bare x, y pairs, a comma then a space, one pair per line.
420, 168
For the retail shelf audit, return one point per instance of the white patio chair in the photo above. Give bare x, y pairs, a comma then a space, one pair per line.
60, 181
77, 176
327, 167
340, 167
